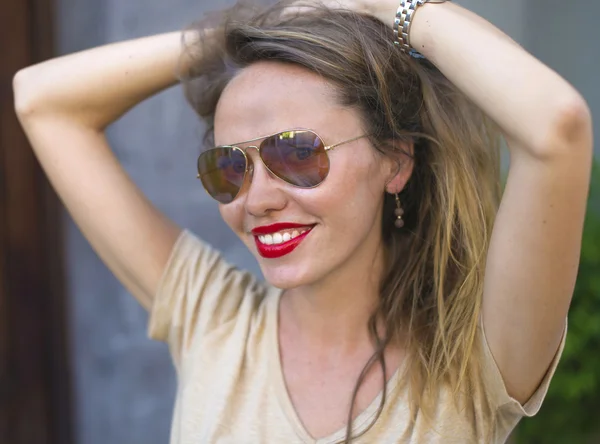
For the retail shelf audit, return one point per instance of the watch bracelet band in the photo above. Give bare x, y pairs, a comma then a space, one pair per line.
403, 22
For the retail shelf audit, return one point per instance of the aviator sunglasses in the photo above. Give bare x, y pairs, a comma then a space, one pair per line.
298, 157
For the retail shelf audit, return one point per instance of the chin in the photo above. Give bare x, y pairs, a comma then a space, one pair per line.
287, 277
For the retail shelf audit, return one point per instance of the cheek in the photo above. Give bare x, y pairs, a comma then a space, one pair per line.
348, 200
352, 193
357, 180
233, 216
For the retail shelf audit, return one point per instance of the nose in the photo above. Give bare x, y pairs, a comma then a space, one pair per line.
265, 192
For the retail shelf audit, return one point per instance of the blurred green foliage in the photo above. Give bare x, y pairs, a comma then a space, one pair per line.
571, 412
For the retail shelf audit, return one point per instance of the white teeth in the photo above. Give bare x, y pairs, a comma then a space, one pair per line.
278, 238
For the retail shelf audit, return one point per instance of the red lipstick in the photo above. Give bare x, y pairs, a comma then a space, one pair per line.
270, 229
279, 250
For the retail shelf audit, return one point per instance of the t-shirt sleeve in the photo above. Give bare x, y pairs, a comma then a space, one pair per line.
506, 405
197, 292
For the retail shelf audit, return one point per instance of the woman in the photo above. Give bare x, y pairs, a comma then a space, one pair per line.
363, 175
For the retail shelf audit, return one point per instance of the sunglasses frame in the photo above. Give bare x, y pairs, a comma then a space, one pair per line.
258, 148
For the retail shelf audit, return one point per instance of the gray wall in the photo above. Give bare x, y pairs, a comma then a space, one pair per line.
124, 383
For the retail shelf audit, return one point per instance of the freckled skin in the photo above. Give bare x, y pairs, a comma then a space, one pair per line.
269, 97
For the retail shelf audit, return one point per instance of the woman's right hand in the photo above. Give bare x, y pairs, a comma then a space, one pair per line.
64, 104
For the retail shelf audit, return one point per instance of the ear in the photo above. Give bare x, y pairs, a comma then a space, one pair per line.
400, 167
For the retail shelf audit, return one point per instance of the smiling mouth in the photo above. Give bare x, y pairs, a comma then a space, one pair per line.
282, 236
281, 243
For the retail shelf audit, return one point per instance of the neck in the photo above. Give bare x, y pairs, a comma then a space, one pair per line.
334, 312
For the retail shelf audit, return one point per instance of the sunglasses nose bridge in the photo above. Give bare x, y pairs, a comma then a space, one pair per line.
249, 158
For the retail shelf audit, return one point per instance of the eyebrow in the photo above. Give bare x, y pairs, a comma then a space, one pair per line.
269, 135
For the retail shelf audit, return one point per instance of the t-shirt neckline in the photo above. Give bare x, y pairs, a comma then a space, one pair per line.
276, 370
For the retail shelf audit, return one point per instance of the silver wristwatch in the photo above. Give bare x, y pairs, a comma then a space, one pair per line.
403, 22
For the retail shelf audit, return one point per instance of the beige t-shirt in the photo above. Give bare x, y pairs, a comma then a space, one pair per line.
221, 327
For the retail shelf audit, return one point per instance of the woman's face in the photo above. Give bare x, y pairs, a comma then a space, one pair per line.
343, 213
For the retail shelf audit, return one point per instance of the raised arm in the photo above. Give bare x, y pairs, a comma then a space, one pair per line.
534, 253
64, 105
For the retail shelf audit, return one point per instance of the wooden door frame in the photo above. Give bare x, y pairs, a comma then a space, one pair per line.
35, 394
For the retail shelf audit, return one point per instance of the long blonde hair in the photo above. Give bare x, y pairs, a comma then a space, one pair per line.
431, 291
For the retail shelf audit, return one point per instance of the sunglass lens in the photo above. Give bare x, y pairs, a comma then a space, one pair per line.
298, 157
222, 172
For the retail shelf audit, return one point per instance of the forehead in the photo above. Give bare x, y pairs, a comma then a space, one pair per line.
268, 97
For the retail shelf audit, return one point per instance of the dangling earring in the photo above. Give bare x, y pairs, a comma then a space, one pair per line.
399, 212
